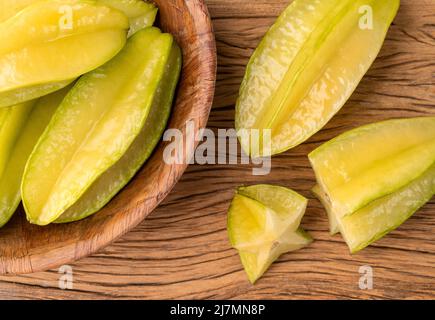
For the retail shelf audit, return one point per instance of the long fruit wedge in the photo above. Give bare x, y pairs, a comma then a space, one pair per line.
307, 66
383, 215
57, 41
372, 161
94, 126
263, 223
36, 116
114, 179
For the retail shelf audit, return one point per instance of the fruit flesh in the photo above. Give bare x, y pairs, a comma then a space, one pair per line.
260, 233
383, 215
39, 114
373, 161
94, 126
306, 68
109, 184
333, 225
97, 32
140, 13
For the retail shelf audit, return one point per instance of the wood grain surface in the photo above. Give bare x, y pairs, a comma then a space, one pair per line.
181, 250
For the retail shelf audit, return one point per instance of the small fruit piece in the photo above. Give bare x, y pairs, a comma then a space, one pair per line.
114, 179
37, 114
140, 13
307, 66
57, 41
94, 126
372, 161
263, 223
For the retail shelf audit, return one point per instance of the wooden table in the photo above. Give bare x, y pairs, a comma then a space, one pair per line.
182, 250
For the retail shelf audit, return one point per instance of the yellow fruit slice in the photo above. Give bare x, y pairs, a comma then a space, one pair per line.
94, 126
260, 233
56, 41
307, 66
36, 115
140, 13
114, 179
372, 161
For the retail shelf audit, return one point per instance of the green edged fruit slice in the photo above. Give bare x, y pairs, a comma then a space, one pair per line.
37, 115
56, 41
306, 68
115, 178
263, 223
94, 126
373, 161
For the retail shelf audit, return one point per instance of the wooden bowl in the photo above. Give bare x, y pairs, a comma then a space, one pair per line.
26, 248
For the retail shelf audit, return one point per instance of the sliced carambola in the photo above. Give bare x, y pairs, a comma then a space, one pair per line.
114, 179
94, 127
372, 161
385, 214
36, 115
263, 223
56, 41
140, 13
18, 96
9, 8
308, 65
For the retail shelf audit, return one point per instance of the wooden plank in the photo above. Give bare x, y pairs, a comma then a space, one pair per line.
182, 250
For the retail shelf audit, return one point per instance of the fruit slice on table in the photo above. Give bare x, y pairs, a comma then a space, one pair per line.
383, 215
140, 13
94, 126
372, 161
114, 179
34, 118
56, 41
307, 66
263, 223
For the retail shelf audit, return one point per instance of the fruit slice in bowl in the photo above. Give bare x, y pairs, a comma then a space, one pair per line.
27, 248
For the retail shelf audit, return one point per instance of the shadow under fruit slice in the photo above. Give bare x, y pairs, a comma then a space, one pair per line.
372, 161
34, 117
263, 223
385, 214
307, 66
115, 178
94, 126
56, 41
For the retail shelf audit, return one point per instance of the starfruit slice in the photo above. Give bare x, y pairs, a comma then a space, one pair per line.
115, 178
34, 117
56, 41
140, 13
372, 161
383, 215
263, 223
306, 68
94, 126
